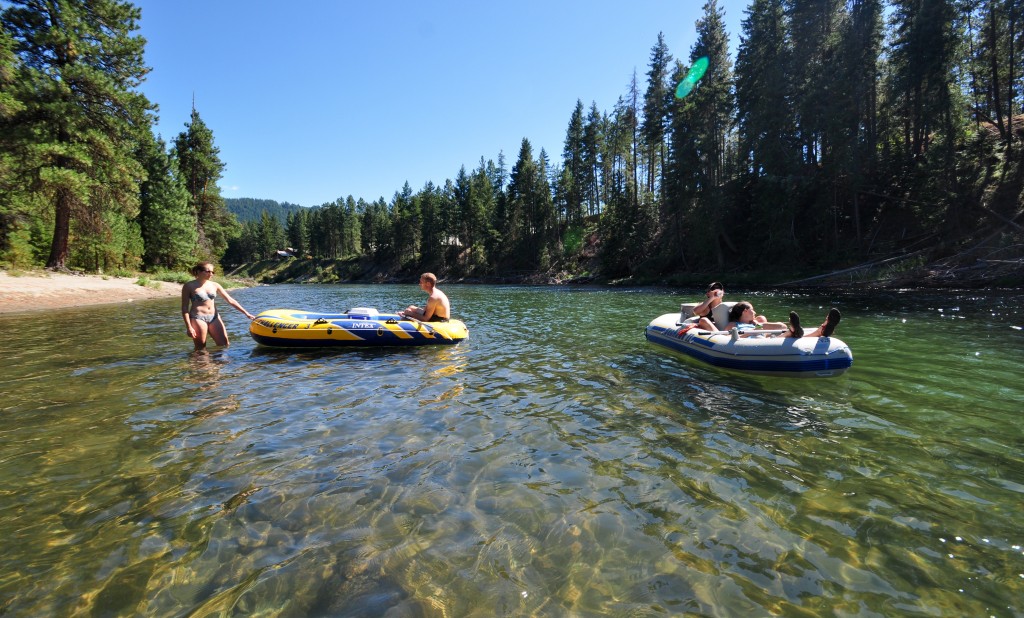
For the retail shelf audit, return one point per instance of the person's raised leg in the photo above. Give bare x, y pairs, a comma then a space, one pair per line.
831, 322
794, 325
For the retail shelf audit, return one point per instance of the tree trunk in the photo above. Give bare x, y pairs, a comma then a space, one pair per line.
61, 231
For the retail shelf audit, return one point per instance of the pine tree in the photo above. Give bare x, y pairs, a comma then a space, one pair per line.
923, 115
574, 163
350, 242
920, 84
657, 99
434, 232
200, 165
622, 234
296, 231
545, 219
270, 235
764, 93
998, 60
593, 146
80, 65
853, 129
14, 208
475, 200
168, 226
406, 225
768, 152
709, 114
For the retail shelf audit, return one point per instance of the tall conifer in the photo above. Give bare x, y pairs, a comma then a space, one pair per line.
80, 66
200, 165
574, 163
167, 223
657, 99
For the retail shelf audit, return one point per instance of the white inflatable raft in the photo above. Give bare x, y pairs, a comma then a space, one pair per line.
806, 357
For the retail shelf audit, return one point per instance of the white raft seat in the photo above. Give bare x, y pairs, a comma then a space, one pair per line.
719, 315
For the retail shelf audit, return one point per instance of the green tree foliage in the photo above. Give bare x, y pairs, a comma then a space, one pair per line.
529, 229
200, 165
80, 117
922, 114
297, 231
920, 84
168, 225
767, 145
270, 234
702, 149
14, 239
437, 210
623, 230
406, 225
997, 60
657, 100
839, 134
593, 161
475, 200
259, 239
574, 173
251, 209
854, 148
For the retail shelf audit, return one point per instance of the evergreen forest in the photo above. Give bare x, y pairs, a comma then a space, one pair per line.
836, 134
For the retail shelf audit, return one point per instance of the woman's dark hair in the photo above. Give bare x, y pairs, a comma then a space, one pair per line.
737, 310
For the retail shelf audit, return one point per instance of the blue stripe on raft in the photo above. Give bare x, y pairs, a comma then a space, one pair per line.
339, 343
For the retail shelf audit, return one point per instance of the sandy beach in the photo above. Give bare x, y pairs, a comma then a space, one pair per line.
39, 291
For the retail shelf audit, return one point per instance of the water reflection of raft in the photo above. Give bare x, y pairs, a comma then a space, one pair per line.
807, 357
290, 328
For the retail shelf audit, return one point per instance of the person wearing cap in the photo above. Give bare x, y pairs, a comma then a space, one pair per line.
712, 298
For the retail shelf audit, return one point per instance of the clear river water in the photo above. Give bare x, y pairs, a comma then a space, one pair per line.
554, 464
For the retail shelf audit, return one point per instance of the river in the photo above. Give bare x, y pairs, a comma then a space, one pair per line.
553, 464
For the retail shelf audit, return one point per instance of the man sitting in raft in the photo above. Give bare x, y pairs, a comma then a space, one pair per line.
438, 308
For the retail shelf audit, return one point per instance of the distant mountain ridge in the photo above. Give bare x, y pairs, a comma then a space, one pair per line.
251, 209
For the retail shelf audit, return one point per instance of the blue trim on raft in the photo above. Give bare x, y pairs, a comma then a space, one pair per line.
392, 341
801, 364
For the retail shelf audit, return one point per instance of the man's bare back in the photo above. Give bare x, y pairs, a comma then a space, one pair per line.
438, 307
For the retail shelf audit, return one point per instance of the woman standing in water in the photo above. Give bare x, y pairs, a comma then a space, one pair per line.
202, 318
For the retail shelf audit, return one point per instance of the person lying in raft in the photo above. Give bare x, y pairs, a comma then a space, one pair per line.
745, 320
438, 308
202, 319
712, 298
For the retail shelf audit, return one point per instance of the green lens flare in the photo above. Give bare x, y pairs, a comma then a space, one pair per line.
692, 77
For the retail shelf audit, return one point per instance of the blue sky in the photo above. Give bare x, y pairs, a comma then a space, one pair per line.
311, 101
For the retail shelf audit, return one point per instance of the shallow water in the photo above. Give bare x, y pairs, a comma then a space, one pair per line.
553, 464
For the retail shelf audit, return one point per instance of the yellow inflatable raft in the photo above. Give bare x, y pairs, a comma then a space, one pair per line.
361, 326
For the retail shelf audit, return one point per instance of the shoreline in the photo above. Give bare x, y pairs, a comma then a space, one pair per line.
39, 292
35, 291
